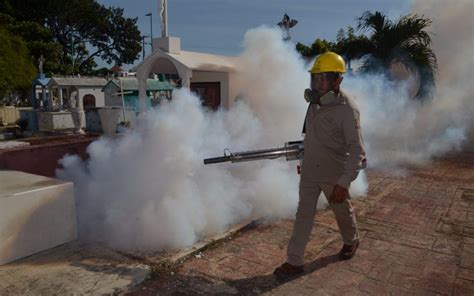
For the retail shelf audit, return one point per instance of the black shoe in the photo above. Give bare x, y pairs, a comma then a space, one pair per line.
347, 252
286, 270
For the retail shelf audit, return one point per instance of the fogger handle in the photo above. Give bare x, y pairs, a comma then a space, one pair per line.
217, 159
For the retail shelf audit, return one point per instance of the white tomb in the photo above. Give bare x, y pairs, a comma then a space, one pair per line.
36, 213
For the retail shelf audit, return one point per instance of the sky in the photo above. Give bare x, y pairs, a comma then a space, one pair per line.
218, 26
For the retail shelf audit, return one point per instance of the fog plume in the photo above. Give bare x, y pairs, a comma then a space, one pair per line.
149, 190
400, 131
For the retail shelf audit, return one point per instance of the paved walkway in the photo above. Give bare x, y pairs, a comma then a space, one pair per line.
72, 269
417, 234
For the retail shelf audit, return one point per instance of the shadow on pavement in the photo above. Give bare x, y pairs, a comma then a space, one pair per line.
260, 284
206, 285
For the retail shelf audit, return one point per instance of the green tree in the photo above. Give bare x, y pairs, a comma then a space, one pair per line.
16, 68
317, 47
102, 72
39, 42
351, 46
347, 44
84, 29
405, 40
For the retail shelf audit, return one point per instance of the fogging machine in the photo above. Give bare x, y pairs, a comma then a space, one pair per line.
291, 151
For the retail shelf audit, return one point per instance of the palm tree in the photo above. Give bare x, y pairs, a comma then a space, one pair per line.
351, 46
404, 41
317, 47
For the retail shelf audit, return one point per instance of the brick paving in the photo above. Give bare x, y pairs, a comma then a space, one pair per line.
417, 238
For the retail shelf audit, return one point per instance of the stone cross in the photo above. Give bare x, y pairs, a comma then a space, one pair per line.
285, 24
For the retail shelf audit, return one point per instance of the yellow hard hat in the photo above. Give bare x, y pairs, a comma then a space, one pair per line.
328, 62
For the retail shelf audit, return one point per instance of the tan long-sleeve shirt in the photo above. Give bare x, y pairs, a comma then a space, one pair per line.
333, 144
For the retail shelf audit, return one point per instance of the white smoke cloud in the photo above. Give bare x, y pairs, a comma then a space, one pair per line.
149, 189
453, 40
273, 80
401, 131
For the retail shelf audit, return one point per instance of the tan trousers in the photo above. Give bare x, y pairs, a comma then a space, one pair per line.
308, 200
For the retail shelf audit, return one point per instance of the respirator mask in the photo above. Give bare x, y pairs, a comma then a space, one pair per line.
315, 97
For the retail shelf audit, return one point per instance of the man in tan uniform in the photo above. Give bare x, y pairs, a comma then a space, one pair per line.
333, 156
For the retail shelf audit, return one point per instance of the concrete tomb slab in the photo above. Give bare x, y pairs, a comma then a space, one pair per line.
36, 213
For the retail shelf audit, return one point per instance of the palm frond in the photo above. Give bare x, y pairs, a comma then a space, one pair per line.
405, 40
377, 22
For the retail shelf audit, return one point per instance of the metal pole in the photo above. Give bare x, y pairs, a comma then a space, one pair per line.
151, 29
143, 47
123, 99
151, 32
72, 53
